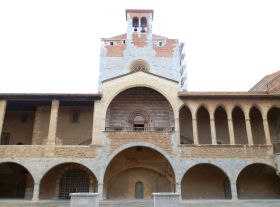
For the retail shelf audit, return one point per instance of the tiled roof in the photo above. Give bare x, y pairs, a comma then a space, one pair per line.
270, 83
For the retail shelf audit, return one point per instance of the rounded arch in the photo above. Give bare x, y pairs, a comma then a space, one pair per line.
16, 181
258, 181
135, 23
149, 86
139, 65
142, 105
197, 185
132, 163
64, 178
137, 144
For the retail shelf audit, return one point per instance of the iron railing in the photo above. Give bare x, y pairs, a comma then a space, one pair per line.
139, 129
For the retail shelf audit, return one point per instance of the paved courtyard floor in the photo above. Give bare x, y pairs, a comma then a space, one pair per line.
144, 203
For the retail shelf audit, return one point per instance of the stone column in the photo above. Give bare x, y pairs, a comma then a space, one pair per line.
249, 129
233, 191
195, 133
179, 189
36, 190
53, 123
213, 128
3, 104
266, 128
98, 125
102, 191
230, 129
177, 128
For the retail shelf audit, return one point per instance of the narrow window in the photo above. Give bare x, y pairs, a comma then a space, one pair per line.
139, 190
160, 44
135, 23
75, 117
23, 118
111, 43
5, 138
143, 24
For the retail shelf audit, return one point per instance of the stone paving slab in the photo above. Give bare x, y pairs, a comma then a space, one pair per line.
145, 203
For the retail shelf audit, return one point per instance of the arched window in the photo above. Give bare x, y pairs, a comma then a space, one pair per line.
138, 65
139, 190
143, 24
135, 23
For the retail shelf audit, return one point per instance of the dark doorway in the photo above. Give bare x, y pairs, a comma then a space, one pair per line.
139, 190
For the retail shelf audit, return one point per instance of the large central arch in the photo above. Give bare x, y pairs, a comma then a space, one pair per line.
139, 108
136, 172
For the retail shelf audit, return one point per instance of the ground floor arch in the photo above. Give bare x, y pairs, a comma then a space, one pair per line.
67, 178
15, 181
136, 173
205, 181
258, 181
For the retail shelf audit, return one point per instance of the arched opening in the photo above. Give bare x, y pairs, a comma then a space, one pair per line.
143, 24
203, 126
221, 124
239, 126
15, 181
136, 173
186, 129
139, 65
258, 181
135, 23
139, 108
257, 126
67, 178
205, 181
273, 117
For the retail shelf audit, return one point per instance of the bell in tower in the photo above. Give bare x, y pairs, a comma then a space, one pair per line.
135, 23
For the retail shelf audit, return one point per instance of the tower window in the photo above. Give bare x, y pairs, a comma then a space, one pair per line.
143, 24
111, 43
135, 23
160, 44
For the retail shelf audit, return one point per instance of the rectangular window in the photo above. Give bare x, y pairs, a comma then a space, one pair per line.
75, 117
23, 118
5, 138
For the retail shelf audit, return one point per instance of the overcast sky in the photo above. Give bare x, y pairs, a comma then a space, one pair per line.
53, 45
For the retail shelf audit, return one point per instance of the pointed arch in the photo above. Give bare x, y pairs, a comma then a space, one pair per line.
203, 126
256, 121
186, 129
239, 126
221, 125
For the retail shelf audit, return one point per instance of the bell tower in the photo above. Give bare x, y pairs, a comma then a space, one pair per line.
139, 21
